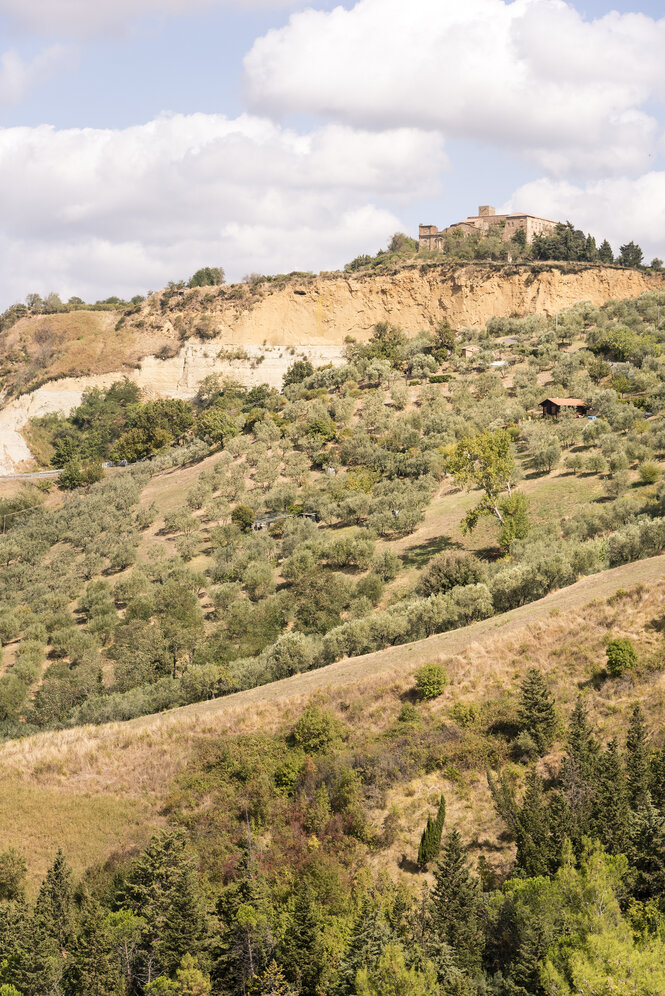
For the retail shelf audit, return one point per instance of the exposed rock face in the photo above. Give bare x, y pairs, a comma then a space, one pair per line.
312, 317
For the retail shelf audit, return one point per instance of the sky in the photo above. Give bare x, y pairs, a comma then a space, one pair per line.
143, 139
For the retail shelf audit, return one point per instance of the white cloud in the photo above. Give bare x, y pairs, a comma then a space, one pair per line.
80, 18
616, 208
101, 211
18, 76
529, 75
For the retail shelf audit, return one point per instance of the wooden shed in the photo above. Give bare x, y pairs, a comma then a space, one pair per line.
552, 407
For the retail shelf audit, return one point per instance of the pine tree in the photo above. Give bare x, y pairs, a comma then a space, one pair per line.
430, 842
605, 254
638, 760
298, 951
647, 851
369, 937
54, 911
272, 982
162, 888
657, 781
536, 710
455, 904
579, 773
533, 829
92, 966
610, 817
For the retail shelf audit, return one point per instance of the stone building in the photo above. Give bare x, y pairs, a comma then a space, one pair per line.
530, 224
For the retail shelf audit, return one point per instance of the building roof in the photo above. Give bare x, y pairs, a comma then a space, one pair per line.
566, 402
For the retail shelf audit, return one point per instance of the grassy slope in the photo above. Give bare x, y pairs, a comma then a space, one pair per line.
100, 790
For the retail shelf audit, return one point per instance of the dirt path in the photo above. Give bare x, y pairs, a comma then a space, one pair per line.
396, 660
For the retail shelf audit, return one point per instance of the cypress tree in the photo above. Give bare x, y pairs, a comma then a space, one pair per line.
638, 760
455, 905
92, 966
536, 710
430, 842
610, 818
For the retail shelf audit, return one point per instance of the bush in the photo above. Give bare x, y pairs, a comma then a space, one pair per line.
243, 516
448, 570
317, 730
431, 679
621, 656
649, 472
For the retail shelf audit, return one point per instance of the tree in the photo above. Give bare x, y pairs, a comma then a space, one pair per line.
447, 570
485, 461
621, 656
610, 816
13, 870
638, 758
454, 906
297, 372
430, 842
536, 710
390, 976
630, 255
214, 425
605, 254
54, 912
207, 276
243, 516
91, 966
317, 730
162, 888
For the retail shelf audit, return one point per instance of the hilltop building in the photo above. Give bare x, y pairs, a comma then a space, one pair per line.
430, 236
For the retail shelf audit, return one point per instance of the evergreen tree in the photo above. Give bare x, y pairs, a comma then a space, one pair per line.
638, 760
533, 844
657, 780
455, 905
647, 851
430, 842
371, 933
536, 710
54, 911
579, 773
611, 813
163, 889
298, 954
605, 254
272, 982
92, 968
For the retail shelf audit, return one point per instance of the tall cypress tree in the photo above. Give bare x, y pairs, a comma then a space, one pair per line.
611, 814
454, 908
92, 967
536, 711
638, 760
430, 842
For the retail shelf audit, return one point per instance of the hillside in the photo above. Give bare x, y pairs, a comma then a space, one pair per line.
317, 653
251, 332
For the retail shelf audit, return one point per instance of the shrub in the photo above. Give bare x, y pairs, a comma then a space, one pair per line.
649, 472
447, 570
431, 679
621, 656
317, 730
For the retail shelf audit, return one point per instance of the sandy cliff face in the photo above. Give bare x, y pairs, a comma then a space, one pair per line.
327, 309
312, 317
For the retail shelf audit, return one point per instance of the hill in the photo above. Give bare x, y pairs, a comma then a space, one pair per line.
252, 332
321, 662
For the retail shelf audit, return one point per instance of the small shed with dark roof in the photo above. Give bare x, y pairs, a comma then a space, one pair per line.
552, 407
